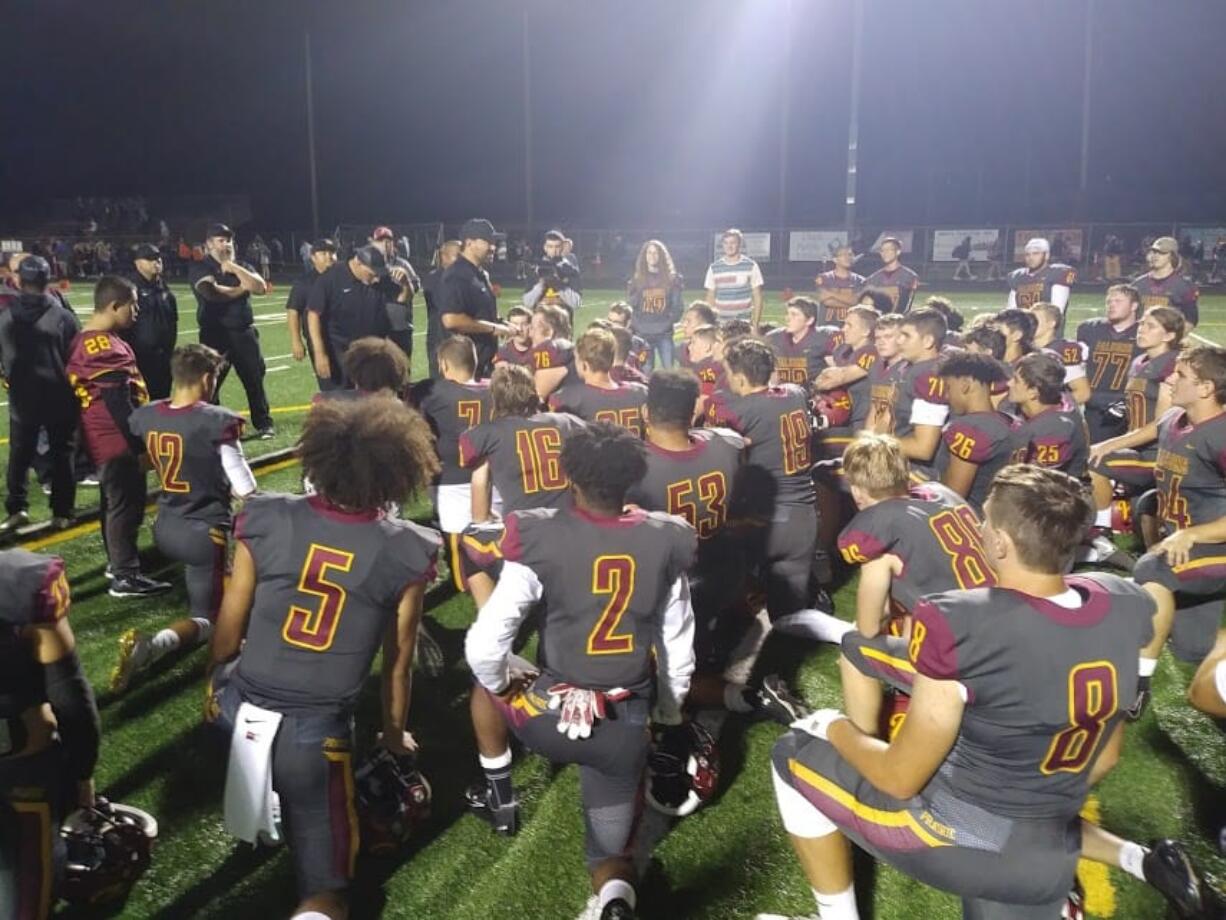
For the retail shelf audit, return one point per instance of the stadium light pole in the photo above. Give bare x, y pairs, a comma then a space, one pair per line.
310, 113
785, 117
1085, 102
527, 81
853, 127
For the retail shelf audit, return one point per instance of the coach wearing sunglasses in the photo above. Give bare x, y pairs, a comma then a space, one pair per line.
157, 322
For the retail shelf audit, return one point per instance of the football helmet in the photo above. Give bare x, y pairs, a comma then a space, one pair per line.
108, 848
682, 769
393, 799
833, 408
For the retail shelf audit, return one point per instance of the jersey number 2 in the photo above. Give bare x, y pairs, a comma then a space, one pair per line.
315, 629
614, 576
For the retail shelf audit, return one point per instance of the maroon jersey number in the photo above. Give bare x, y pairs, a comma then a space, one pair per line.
614, 576
315, 629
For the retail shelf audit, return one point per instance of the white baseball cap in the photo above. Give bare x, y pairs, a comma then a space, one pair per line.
1038, 244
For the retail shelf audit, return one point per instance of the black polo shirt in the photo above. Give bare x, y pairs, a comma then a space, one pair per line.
465, 288
229, 314
300, 291
157, 317
347, 308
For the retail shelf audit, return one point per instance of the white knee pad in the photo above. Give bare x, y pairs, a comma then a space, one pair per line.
800, 818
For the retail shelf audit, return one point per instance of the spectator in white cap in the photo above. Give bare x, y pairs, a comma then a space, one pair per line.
1040, 280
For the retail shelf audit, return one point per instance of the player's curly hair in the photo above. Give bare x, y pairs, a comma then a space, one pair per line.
603, 461
672, 394
731, 329
985, 369
512, 392
362, 454
667, 269
752, 358
954, 320
989, 341
1043, 373
373, 364
1045, 513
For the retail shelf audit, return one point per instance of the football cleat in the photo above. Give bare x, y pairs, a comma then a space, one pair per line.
135, 651
393, 800
1075, 905
1103, 551
682, 768
617, 909
14, 520
1137, 709
108, 847
1168, 869
776, 700
504, 819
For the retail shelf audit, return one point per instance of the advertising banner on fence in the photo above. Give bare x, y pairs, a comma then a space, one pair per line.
814, 245
956, 245
906, 237
1067, 243
756, 246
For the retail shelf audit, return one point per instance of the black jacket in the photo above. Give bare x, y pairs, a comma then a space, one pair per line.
157, 318
36, 333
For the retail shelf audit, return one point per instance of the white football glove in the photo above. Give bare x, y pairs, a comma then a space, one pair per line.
579, 708
818, 722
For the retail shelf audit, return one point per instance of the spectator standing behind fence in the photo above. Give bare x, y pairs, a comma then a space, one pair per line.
36, 333
157, 321
656, 291
734, 281
557, 273
398, 287
323, 257
467, 305
223, 289
345, 305
431, 292
1164, 285
893, 279
838, 290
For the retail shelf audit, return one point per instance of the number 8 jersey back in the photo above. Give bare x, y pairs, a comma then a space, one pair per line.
328, 582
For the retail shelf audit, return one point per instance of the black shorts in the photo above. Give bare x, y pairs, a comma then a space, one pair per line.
312, 774
35, 795
989, 860
1132, 467
611, 762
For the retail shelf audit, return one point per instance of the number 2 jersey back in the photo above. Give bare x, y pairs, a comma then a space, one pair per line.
328, 583
606, 585
183, 443
1045, 686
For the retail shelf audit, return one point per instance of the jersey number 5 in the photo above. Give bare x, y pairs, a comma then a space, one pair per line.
166, 450
1092, 695
315, 629
614, 576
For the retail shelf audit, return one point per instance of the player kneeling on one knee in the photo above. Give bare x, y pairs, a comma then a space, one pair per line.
618, 636
288, 701
1015, 714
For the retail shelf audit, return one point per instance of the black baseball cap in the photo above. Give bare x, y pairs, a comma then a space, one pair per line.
34, 270
146, 251
324, 245
219, 230
372, 258
477, 228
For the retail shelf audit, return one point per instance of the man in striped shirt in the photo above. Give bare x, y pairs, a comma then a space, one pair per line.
734, 281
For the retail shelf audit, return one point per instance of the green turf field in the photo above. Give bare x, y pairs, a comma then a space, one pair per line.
729, 860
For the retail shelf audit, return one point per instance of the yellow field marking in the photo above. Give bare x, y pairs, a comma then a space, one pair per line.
1095, 877
80, 530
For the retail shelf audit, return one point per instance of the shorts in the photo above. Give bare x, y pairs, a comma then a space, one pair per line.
312, 774
201, 547
611, 762
1199, 586
1132, 467
1000, 866
454, 505
35, 796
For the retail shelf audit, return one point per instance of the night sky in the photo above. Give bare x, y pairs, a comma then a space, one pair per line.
645, 112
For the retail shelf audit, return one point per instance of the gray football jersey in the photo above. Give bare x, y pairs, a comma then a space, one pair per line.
864, 357
695, 484
1045, 687
1057, 438
1172, 291
990, 440
909, 382
451, 409
1030, 287
933, 531
606, 583
776, 423
35, 588
183, 445
328, 584
1110, 353
621, 404
525, 457
1144, 384
1191, 470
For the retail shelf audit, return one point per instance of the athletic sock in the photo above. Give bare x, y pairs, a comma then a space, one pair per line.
1146, 666
498, 777
616, 888
841, 906
1132, 859
204, 630
1102, 517
813, 624
736, 698
162, 644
